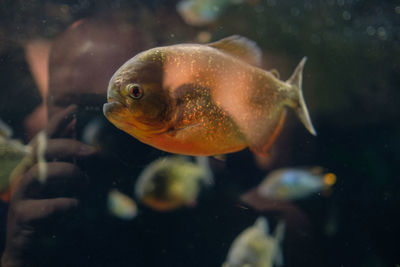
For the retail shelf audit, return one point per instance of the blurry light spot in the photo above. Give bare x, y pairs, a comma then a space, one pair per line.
315, 39
329, 22
397, 9
382, 34
346, 15
271, 2
64, 8
308, 6
370, 30
203, 37
172, 35
215, 8
330, 179
294, 11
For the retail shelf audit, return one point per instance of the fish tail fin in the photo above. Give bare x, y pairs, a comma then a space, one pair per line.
295, 82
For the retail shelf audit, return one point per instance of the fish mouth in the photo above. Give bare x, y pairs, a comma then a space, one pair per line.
112, 106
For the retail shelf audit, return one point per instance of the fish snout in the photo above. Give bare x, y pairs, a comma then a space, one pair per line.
114, 101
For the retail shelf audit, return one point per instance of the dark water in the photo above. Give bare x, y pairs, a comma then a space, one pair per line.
351, 86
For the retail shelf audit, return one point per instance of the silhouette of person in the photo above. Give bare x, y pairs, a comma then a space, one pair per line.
62, 220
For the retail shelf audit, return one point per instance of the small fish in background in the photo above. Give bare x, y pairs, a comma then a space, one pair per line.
16, 158
255, 247
121, 205
173, 182
204, 100
202, 12
12, 151
295, 183
5, 130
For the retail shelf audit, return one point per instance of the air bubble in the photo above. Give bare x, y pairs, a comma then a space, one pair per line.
370, 30
294, 11
382, 34
346, 15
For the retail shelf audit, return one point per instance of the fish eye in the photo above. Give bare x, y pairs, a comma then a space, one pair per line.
134, 90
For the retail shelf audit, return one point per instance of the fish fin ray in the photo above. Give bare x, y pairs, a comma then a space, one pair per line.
295, 82
175, 130
240, 47
262, 147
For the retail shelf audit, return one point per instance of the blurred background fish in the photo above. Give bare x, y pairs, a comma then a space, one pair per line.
203, 12
12, 151
255, 247
172, 182
121, 205
295, 183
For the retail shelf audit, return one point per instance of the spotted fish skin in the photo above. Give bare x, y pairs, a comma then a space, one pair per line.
203, 99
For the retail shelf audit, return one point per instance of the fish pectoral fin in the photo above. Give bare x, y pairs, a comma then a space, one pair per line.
240, 47
184, 128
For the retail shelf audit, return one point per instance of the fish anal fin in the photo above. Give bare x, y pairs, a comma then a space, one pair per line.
240, 47
262, 150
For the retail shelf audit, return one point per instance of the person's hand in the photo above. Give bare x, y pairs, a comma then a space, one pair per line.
46, 192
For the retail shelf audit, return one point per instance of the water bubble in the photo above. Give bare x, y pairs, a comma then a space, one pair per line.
271, 2
346, 15
370, 30
382, 34
308, 6
294, 11
329, 21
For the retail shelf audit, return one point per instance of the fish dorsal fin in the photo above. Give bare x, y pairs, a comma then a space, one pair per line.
275, 73
240, 47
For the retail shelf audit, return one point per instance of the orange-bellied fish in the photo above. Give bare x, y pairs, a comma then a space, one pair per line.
203, 99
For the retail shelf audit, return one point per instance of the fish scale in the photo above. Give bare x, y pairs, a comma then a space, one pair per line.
204, 99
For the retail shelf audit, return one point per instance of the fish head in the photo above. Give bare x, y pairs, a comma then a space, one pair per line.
137, 102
